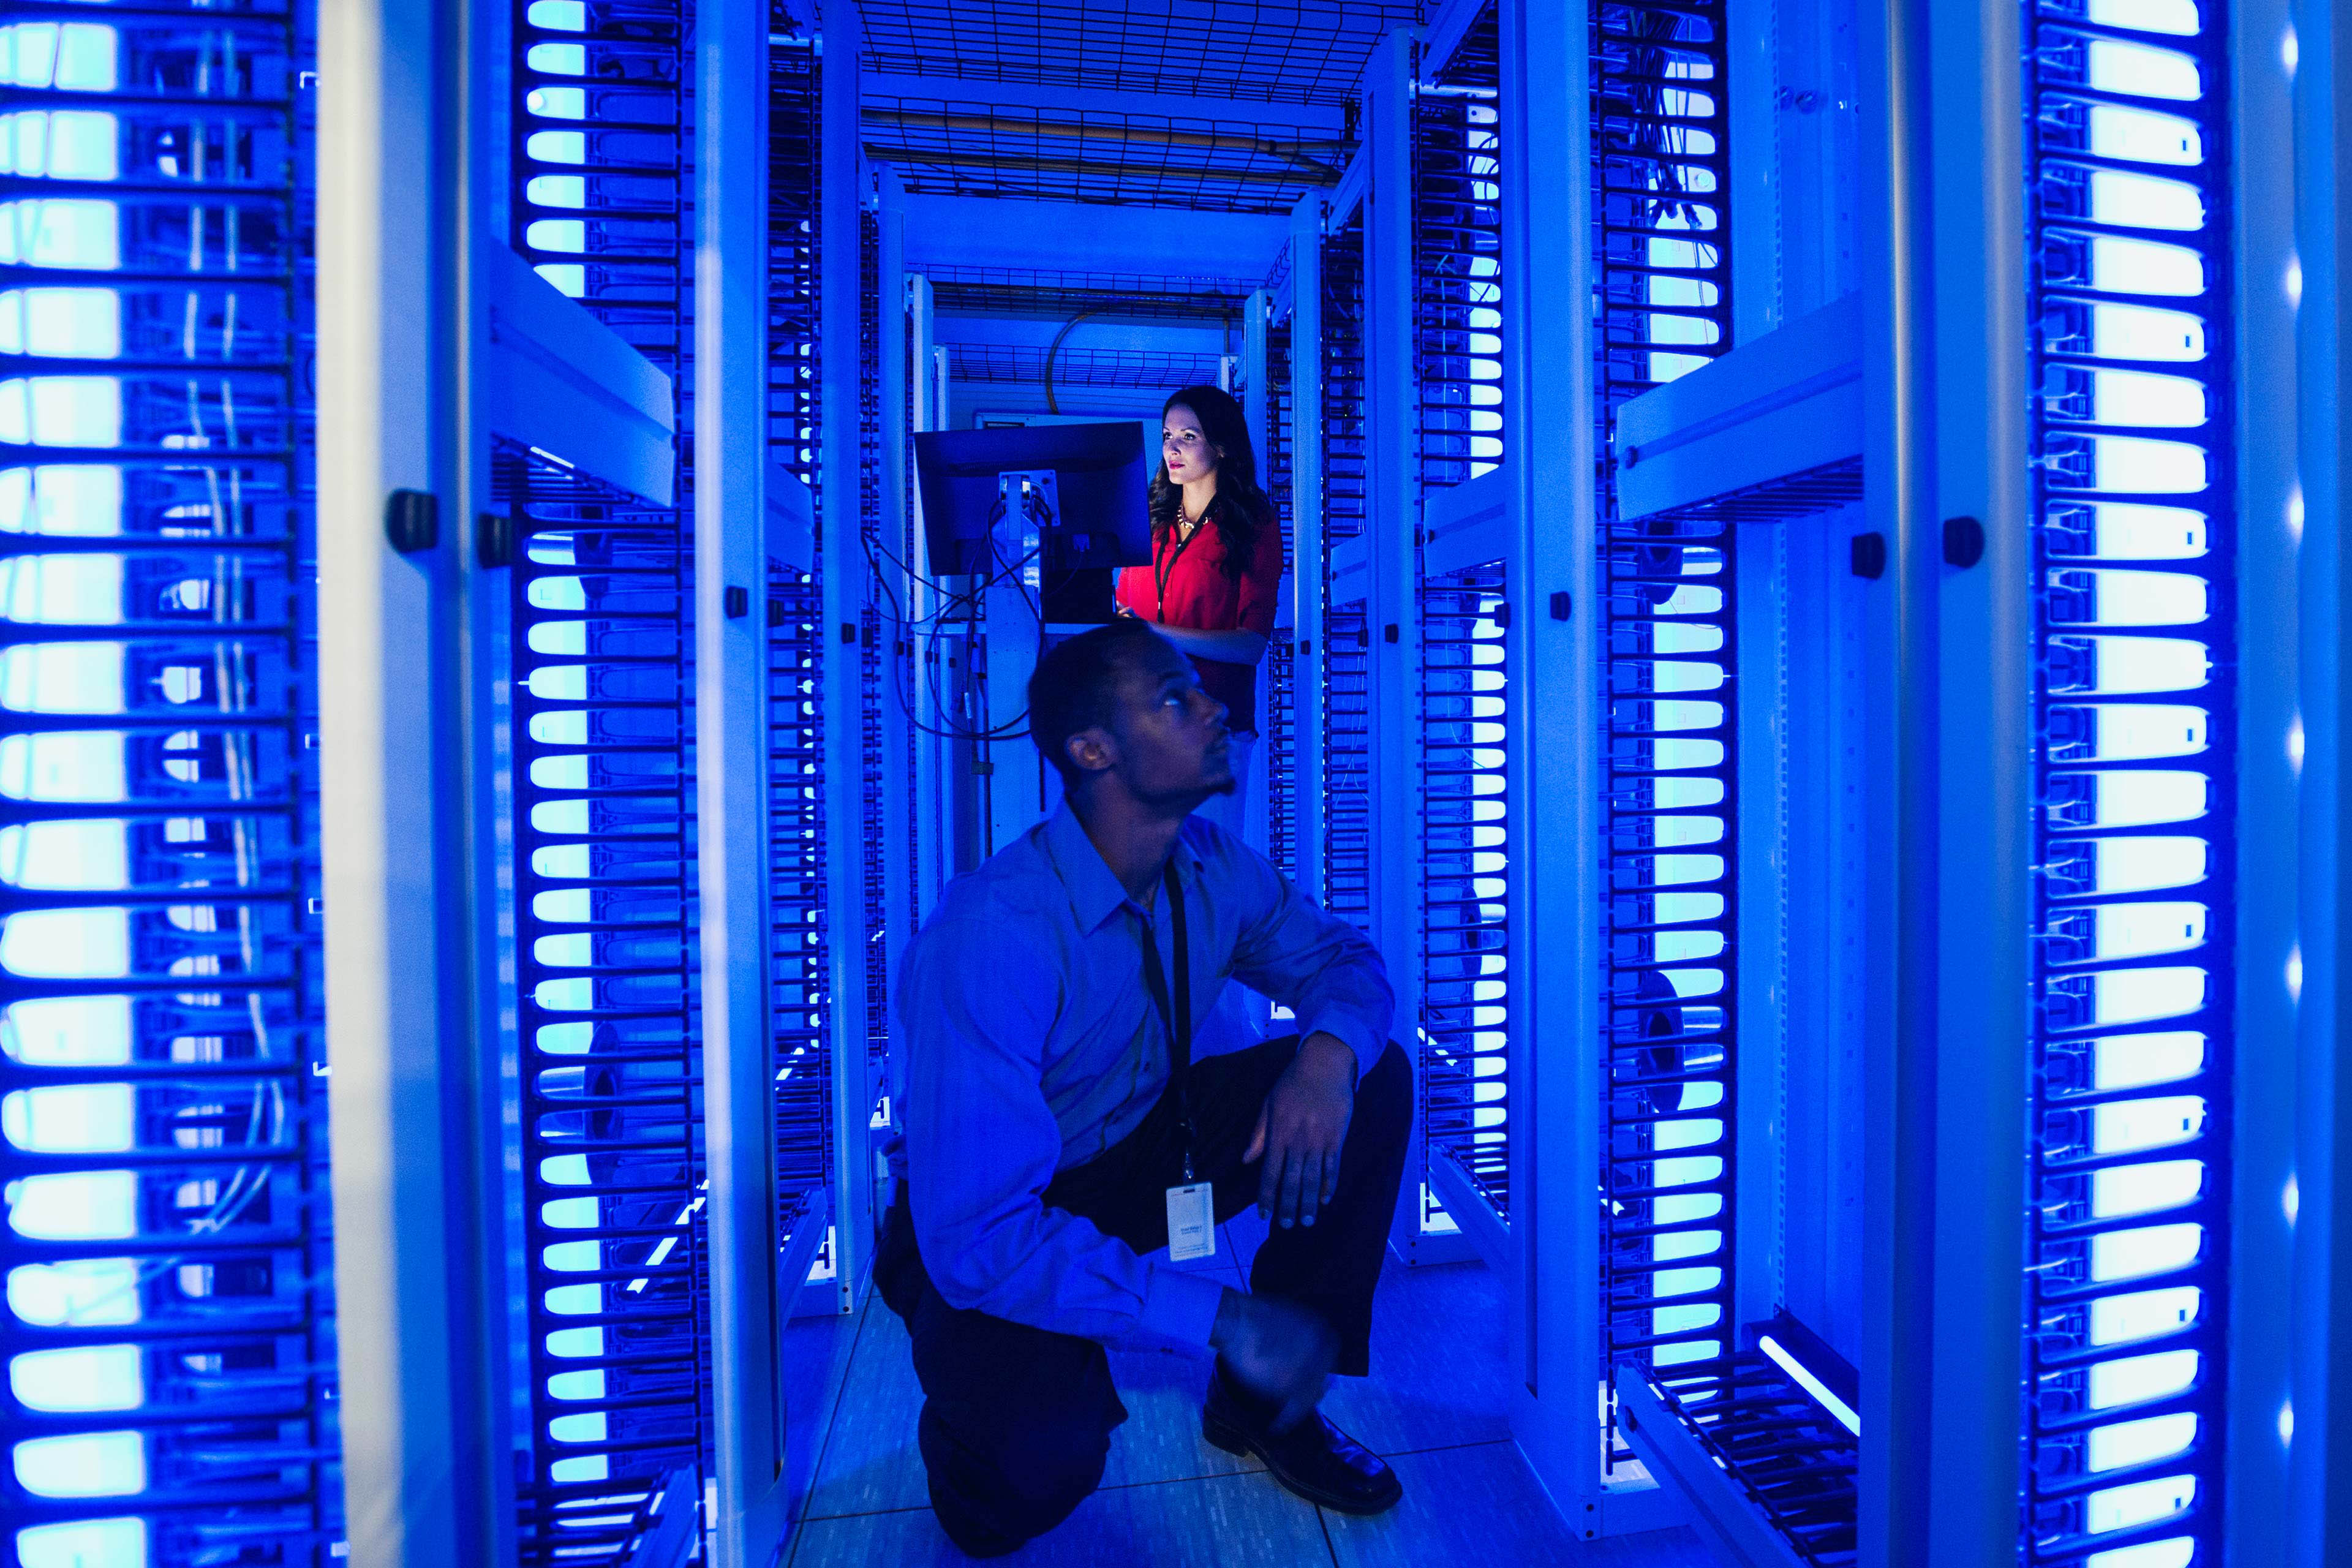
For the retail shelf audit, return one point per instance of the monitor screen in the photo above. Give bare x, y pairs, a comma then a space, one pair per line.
1099, 518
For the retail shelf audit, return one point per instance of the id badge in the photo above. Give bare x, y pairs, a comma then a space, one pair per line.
1191, 1223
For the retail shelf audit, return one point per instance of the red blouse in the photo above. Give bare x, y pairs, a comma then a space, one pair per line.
1186, 586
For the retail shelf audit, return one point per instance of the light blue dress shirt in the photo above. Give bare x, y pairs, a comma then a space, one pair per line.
1032, 1044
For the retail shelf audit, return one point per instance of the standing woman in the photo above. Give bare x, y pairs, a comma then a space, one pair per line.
1216, 565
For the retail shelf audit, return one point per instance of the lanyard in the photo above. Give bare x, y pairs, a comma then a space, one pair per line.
1160, 575
1179, 1026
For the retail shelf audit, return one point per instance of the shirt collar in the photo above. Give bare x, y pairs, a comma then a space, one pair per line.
1095, 893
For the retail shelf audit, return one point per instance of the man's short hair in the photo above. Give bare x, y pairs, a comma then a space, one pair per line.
1074, 687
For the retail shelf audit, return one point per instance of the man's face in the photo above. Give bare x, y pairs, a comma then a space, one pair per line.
1169, 735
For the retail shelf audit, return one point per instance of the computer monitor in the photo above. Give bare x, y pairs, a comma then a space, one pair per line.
1087, 481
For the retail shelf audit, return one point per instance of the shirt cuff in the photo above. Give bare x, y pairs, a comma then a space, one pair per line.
1180, 1308
1352, 1031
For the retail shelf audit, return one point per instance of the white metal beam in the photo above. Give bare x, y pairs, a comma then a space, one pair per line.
1391, 519
1551, 648
2321, 1454
842, 589
731, 741
898, 739
1945, 395
427, 1477
558, 379
1072, 237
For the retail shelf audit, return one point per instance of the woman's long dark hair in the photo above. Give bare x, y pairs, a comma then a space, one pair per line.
1241, 509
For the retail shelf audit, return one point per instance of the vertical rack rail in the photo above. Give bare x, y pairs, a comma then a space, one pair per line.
1458, 345
1347, 825
169, 1322
604, 794
1660, 176
611, 1172
1282, 663
805, 1141
877, 654
2134, 559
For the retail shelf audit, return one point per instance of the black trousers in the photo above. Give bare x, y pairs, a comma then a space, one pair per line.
1016, 1420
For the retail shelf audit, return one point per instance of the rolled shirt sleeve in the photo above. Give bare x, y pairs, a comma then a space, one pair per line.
1261, 585
978, 1004
1323, 969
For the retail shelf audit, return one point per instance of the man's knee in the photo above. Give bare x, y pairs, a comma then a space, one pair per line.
1053, 1469
1384, 1097
996, 1484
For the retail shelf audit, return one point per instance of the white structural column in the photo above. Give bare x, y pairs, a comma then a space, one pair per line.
1392, 524
1257, 408
731, 741
1306, 542
934, 854
2321, 1420
1550, 647
1945, 439
898, 829
427, 1480
2256, 1517
841, 568
1258, 411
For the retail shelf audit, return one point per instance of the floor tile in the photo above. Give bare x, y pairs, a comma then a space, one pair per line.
815, 1356
1481, 1505
1160, 1440
1441, 1365
1680, 1547
1211, 1524
870, 1461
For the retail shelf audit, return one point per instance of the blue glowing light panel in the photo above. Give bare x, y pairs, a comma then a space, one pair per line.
1660, 178
1457, 347
604, 789
2133, 840
1347, 651
1464, 707
169, 1330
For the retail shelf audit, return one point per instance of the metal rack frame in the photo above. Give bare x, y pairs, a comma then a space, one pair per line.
1661, 179
172, 1319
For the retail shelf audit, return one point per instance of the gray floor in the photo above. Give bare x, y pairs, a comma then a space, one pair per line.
1435, 1407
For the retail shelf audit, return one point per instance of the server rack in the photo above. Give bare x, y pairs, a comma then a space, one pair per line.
1346, 888
1282, 663
2130, 1102
613, 1181
171, 1319
1463, 592
1309, 549
1660, 176
808, 1140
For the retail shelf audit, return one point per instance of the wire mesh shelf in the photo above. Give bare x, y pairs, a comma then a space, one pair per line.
951, 147
1248, 49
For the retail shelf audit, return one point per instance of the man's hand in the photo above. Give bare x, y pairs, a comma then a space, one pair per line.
1276, 1350
1301, 1128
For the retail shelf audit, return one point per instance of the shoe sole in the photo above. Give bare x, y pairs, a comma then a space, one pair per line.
1233, 1440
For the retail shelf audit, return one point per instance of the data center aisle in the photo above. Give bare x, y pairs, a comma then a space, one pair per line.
1434, 1408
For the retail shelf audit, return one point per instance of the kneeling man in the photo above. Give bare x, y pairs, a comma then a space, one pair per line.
1056, 1129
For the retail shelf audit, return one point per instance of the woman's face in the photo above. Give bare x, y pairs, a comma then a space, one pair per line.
1184, 447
